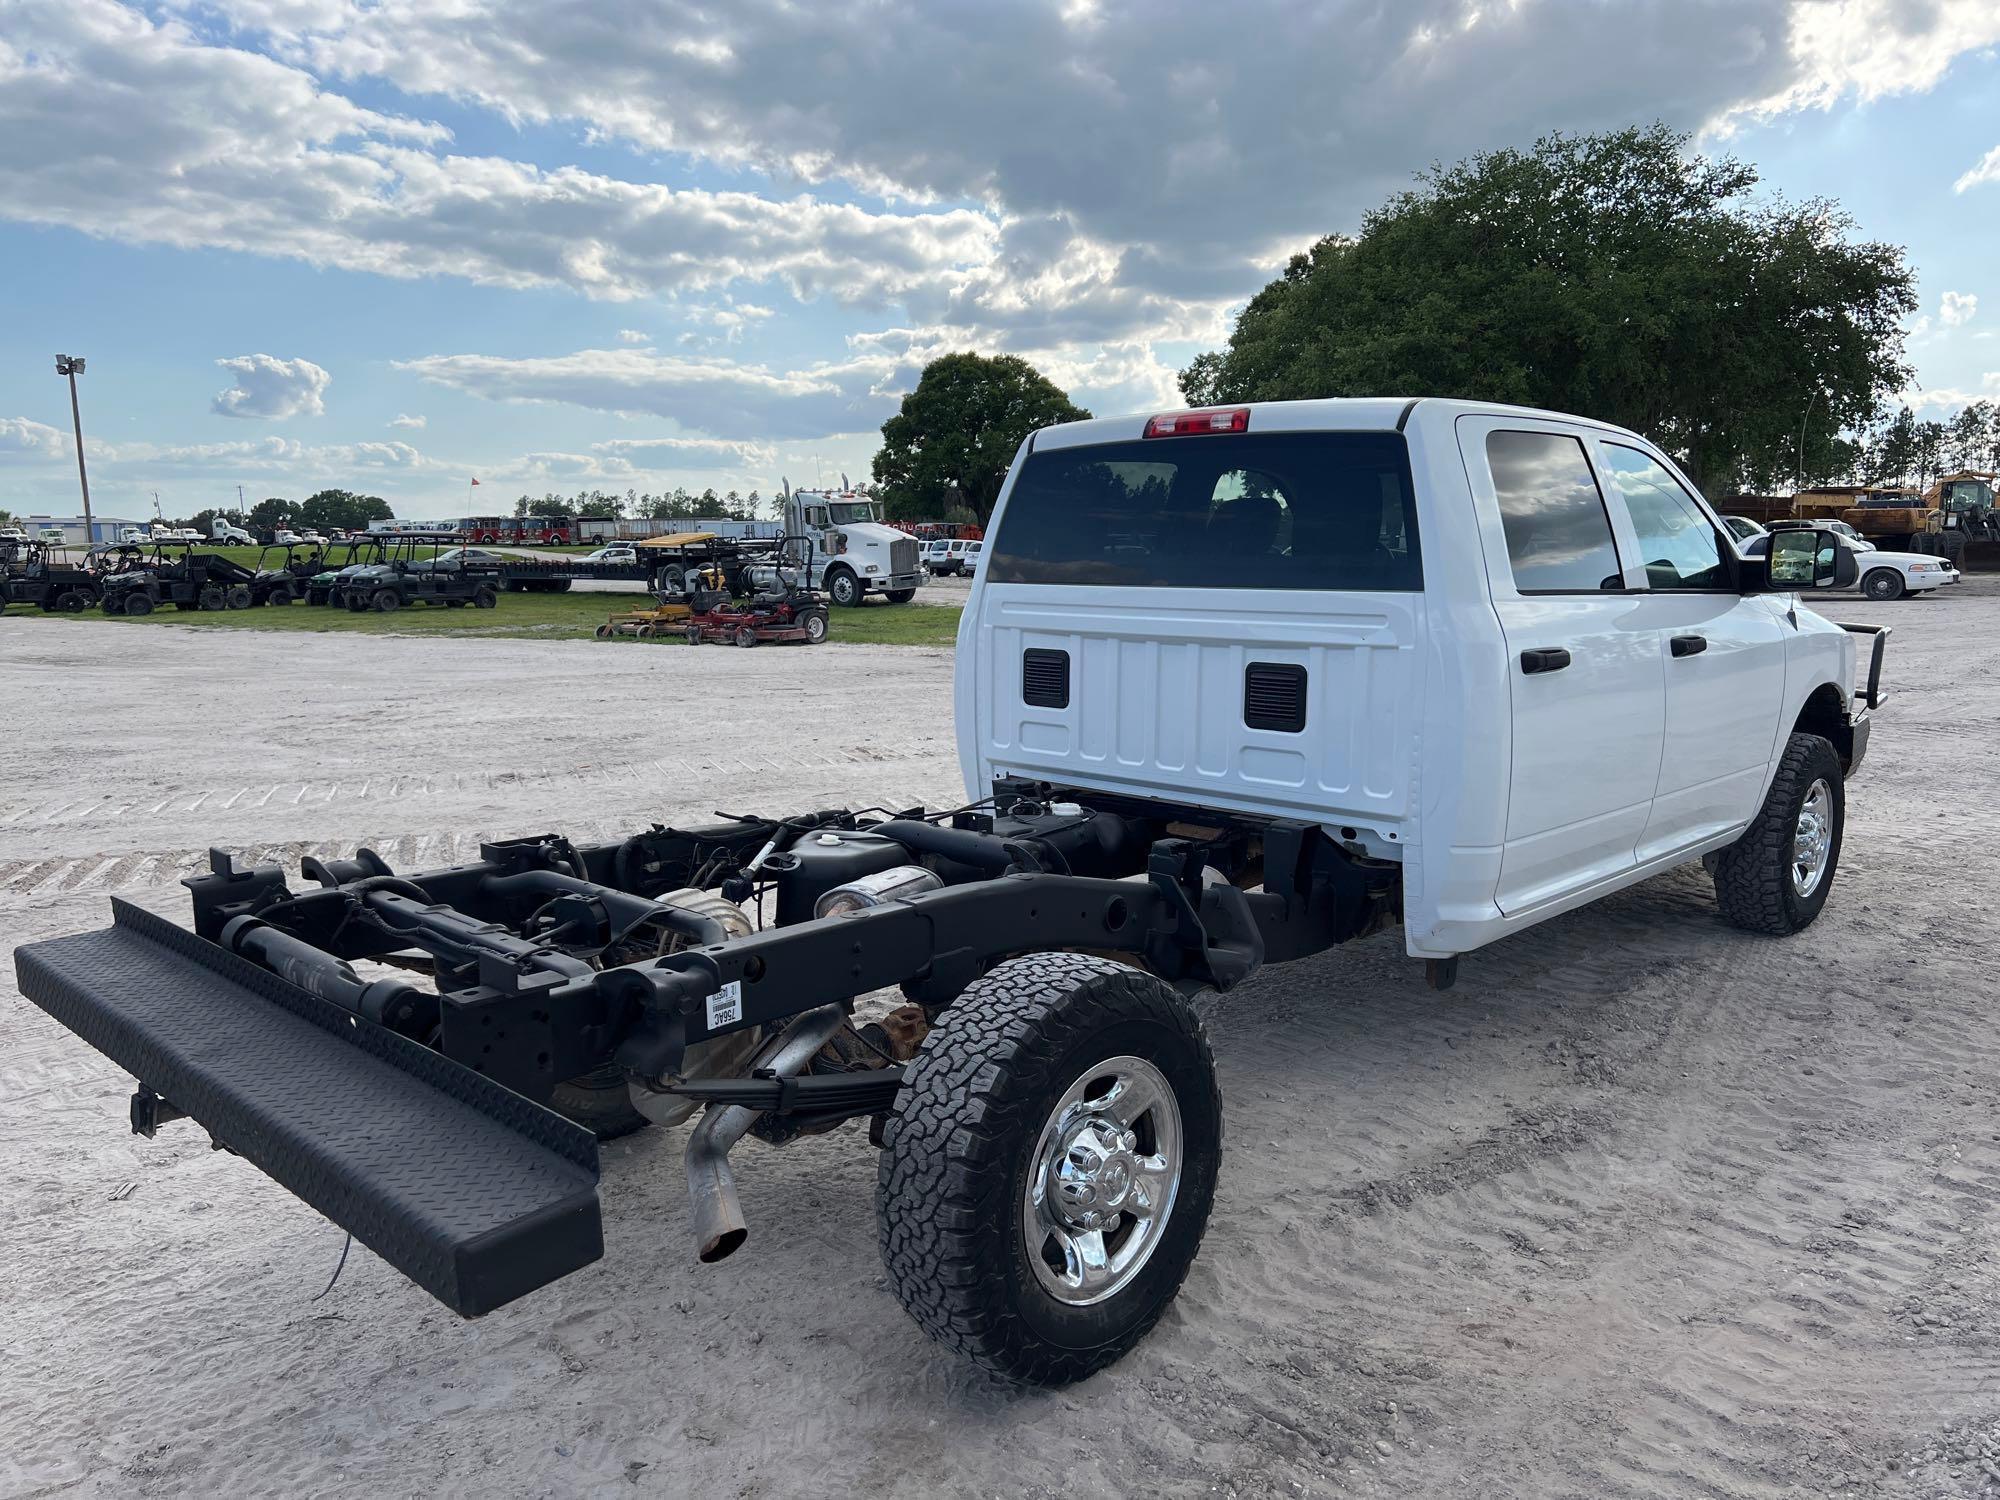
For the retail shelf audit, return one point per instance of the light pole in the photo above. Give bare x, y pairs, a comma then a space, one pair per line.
71, 365
1799, 453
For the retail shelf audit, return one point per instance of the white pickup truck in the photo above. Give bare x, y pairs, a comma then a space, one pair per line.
1233, 686
1511, 653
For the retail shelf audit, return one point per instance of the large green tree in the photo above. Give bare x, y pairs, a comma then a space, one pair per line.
960, 427
270, 514
1617, 276
345, 509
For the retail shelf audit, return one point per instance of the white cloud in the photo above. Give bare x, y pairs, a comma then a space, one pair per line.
192, 144
416, 423
1950, 398
1957, 308
1867, 49
660, 453
1044, 175
1986, 169
272, 388
272, 455
708, 395
1280, 121
633, 336
23, 440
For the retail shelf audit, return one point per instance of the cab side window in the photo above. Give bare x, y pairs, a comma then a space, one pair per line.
1558, 531
1677, 542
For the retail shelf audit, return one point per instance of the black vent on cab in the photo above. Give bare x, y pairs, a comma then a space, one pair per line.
1274, 696
1045, 678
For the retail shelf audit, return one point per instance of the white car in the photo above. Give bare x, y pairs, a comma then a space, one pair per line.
619, 553
946, 555
1883, 575
968, 560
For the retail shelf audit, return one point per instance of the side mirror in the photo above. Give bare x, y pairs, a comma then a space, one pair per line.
1801, 559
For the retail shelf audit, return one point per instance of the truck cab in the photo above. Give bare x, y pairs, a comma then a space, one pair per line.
1512, 653
853, 554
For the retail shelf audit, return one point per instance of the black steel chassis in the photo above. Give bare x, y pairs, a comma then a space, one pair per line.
531, 954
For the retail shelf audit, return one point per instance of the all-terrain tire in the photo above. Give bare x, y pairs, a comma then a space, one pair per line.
1883, 583
483, 597
139, 606
1753, 876
387, 601
959, 1147
238, 596
212, 597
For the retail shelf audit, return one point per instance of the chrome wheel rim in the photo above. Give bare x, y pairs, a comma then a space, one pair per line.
1102, 1181
1812, 838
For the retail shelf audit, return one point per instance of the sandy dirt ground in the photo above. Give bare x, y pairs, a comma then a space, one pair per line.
1644, 1206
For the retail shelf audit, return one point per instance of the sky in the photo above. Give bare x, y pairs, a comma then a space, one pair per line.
638, 244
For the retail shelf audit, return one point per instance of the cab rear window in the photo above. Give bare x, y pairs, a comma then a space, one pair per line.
1279, 510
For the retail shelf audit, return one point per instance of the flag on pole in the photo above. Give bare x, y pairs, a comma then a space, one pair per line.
475, 483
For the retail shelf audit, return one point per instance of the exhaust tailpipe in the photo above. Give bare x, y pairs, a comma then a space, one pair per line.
719, 1229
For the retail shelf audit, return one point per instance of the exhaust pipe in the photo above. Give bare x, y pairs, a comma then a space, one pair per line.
719, 1229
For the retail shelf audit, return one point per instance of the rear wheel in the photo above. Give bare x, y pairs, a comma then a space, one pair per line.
1775, 878
238, 596
1883, 583
72, 601
483, 597
211, 597
1048, 1169
604, 632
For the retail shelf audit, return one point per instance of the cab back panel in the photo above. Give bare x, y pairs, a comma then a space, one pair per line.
1157, 704
1240, 614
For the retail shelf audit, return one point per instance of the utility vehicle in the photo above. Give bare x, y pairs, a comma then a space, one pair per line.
1234, 686
417, 569
48, 575
174, 573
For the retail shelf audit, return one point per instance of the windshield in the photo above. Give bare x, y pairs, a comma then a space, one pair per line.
1282, 510
850, 513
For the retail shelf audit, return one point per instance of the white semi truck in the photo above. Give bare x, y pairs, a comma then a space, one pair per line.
853, 553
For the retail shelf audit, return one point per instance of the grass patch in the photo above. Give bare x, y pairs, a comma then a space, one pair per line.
539, 617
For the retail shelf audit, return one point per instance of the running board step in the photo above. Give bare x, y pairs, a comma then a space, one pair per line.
475, 1193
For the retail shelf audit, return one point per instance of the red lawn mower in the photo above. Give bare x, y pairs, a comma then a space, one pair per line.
780, 604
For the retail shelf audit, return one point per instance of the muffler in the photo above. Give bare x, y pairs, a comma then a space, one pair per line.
719, 1229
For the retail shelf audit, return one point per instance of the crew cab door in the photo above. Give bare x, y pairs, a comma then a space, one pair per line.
1583, 675
1722, 653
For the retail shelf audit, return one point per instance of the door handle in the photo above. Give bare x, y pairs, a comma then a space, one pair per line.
1687, 645
1544, 659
